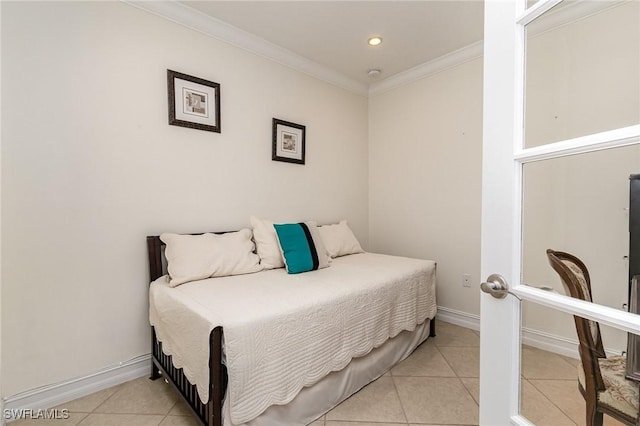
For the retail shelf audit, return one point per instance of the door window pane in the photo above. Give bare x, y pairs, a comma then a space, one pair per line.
580, 204
552, 369
582, 76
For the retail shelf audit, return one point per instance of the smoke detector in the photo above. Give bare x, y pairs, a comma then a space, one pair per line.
374, 72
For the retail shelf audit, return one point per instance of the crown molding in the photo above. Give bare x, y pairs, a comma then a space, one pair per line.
220, 30
571, 13
215, 28
450, 60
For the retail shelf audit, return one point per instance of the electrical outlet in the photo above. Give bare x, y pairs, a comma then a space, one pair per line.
466, 280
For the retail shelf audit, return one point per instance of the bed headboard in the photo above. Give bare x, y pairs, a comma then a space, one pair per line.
156, 253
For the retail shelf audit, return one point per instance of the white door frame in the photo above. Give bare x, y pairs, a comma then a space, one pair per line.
501, 252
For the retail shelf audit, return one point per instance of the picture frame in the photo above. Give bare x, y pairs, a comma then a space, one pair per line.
193, 102
288, 142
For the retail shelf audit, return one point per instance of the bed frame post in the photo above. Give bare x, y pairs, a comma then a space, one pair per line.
432, 327
155, 257
155, 272
217, 378
155, 372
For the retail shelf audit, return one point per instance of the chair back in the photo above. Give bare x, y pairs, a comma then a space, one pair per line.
576, 281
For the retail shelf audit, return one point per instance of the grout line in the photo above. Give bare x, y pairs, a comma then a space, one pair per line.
469, 392
85, 415
447, 361
549, 398
404, 412
459, 378
107, 399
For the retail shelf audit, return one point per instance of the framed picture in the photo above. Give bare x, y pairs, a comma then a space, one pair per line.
288, 142
193, 102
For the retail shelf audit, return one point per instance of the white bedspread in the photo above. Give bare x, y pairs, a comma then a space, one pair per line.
284, 332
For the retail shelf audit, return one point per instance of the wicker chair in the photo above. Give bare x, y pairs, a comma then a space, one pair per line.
601, 380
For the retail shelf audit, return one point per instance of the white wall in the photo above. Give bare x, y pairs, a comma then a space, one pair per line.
90, 167
425, 141
582, 80
425, 154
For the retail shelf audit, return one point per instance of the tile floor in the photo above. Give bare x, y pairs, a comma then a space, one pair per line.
436, 385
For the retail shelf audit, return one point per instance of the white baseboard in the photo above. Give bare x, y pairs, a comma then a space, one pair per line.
54, 395
550, 342
538, 339
463, 319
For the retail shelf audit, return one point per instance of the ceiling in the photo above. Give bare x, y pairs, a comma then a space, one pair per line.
335, 33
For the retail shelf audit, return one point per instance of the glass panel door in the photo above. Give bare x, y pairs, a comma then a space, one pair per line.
526, 185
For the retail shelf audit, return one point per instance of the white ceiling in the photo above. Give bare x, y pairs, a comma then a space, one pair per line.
335, 33
327, 39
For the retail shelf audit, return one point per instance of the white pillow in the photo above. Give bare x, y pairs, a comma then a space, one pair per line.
339, 240
196, 257
264, 234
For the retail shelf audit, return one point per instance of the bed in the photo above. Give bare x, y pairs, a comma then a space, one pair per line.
286, 365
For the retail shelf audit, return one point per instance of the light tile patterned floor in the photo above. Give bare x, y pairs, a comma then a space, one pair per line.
436, 385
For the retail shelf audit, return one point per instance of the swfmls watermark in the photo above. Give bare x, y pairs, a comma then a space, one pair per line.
33, 414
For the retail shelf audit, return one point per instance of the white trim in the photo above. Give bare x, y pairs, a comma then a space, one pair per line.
551, 342
537, 10
203, 23
605, 315
519, 420
537, 339
198, 21
569, 14
531, 337
463, 319
605, 140
59, 393
427, 69
500, 329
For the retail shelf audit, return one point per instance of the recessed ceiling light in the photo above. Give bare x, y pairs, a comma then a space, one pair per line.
374, 41
374, 72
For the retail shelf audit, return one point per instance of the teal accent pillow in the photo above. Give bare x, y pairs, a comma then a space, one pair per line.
301, 247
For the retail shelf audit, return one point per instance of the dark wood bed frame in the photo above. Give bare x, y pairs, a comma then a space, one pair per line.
210, 414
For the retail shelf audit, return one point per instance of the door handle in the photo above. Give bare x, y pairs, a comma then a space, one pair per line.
496, 286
